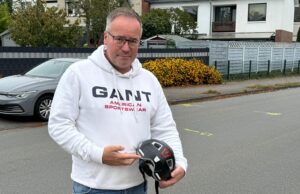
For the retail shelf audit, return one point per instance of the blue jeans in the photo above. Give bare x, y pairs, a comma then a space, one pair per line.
81, 189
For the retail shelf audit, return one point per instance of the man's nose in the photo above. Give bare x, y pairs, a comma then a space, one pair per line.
125, 46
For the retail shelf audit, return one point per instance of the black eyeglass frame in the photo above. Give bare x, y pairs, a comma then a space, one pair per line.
121, 40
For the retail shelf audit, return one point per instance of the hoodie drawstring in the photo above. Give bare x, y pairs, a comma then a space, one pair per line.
133, 98
115, 86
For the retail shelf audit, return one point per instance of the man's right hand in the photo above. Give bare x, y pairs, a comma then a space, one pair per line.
113, 156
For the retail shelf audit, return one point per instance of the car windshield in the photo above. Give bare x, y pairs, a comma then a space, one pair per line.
51, 69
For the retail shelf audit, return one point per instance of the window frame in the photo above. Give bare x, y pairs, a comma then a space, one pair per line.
71, 11
264, 14
217, 12
194, 8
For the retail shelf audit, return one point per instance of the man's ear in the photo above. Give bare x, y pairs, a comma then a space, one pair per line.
105, 37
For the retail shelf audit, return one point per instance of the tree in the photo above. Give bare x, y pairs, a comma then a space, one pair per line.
157, 21
8, 3
182, 21
38, 26
4, 17
167, 21
95, 13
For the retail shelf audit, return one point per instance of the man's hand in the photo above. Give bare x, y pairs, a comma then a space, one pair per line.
177, 174
112, 156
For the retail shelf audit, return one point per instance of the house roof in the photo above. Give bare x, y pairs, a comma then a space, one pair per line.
4, 33
171, 1
176, 38
239, 36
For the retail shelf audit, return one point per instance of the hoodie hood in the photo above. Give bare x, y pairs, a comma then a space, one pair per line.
105, 65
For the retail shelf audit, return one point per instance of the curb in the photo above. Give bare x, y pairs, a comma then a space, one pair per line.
227, 95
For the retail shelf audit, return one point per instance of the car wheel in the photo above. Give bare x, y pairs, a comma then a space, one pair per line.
43, 107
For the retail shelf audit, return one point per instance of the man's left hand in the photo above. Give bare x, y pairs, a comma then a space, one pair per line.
177, 174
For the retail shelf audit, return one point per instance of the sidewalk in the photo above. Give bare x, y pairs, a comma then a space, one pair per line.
177, 95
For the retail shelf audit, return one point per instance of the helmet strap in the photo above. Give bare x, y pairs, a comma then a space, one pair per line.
156, 186
144, 177
145, 181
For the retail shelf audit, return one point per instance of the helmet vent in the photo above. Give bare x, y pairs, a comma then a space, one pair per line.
141, 152
156, 159
170, 163
157, 145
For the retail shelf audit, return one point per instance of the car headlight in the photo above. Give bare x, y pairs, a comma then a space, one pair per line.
22, 95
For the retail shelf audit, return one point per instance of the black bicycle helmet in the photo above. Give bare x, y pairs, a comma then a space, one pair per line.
157, 160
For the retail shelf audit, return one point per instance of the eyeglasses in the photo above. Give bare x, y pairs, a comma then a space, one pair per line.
121, 40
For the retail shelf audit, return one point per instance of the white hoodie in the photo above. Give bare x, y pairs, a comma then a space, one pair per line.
95, 106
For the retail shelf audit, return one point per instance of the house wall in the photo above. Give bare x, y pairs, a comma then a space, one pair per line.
288, 12
137, 6
204, 24
61, 4
7, 41
280, 15
203, 13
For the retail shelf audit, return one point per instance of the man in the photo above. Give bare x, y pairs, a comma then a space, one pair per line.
105, 106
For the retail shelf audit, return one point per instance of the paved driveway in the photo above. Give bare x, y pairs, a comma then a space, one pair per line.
10, 122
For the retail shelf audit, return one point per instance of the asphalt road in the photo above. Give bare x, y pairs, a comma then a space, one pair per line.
241, 145
12, 122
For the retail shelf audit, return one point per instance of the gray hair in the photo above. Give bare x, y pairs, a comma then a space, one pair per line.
122, 11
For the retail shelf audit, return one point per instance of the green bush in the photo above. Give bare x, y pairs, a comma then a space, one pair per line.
180, 72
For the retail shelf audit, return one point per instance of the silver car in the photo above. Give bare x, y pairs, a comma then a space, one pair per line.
31, 94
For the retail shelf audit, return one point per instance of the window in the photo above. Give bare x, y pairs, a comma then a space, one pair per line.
297, 14
257, 12
72, 8
193, 11
296, 3
225, 14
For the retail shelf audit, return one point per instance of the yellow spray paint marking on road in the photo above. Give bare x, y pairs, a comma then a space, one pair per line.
273, 113
186, 105
270, 113
199, 132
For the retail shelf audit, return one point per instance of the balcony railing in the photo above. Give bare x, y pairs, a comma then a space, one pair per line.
223, 26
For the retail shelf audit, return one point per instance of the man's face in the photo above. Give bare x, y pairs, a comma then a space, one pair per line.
122, 42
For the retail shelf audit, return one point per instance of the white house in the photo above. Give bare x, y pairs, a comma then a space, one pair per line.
238, 19
6, 39
72, 16
223, 19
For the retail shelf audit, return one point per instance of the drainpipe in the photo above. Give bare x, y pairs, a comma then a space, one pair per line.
210, 18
